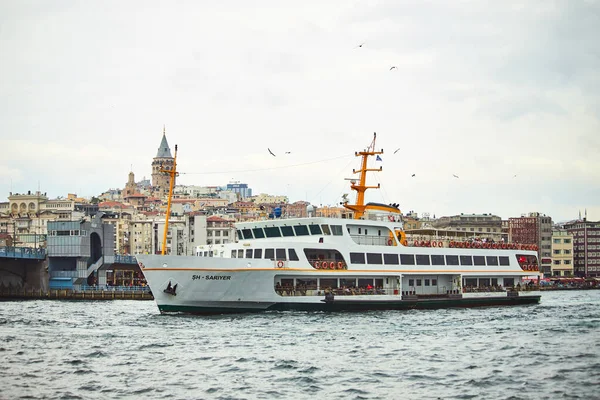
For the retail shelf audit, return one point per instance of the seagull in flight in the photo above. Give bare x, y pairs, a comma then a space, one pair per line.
273, 154
360, 45
393, 66
288, 152
395, 151
413, 175
456, 176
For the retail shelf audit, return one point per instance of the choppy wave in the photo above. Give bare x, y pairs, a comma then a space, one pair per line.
126, 349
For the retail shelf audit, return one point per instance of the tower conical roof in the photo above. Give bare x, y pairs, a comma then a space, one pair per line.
164, 151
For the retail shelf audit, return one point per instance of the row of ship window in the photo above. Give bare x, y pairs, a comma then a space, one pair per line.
293, 230
426, 259
378, 258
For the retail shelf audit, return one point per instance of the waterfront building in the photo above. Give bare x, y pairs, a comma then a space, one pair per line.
325, 212
586, 247
192, 191
299, 209
562, 252
264, 198
140, 234
206, 203
534, 228
241, 189
487, 226
219, 230
163, 160
78, 249
411, 221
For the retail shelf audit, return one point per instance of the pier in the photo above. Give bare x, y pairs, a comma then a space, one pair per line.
87, 293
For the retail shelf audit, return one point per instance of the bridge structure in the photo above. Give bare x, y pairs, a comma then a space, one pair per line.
27, 253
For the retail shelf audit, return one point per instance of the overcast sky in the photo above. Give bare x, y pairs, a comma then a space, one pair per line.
484, 90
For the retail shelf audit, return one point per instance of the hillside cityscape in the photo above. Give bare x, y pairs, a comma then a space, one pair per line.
205, 216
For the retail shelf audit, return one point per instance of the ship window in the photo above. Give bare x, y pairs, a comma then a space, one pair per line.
326, 230
434, 282
348, 282
504, 260
390, 259
437, 259
357, 258
248, 253
258, 233
478, 260
379, 232
466, 260
328, 283
257, 253
422, 259
418, 282
239, 234
240, 253
492, 260
247, 233
309, 284
280, 254
336, 230
363, 283
426, 282
359, 231
272, 231
301, 230
315, 229
233, 253
287, 231
407, 259
379, 282
269, 254
374, 258
293, 255
411, 282
451, 260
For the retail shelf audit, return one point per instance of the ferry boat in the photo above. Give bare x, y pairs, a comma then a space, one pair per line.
340, 264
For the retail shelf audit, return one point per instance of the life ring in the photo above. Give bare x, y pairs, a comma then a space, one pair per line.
332, 265
404, 242
416, 243
317, 265
340, 265
440, 244
468, 245
422, 243
504, 246
390, 242
390, 218
451, 244
279, 264
428, 244
434, 244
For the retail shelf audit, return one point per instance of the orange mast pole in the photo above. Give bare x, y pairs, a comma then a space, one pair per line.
359, 207
172, 173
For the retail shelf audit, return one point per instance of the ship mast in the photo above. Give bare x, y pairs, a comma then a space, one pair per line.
360, 207
172, 173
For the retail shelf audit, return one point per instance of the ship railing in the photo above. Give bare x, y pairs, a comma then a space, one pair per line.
321, 291
108, 288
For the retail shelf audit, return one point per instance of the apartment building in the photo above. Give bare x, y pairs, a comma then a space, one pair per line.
562, 253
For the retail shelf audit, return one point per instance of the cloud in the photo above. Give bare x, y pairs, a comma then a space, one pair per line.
484, 90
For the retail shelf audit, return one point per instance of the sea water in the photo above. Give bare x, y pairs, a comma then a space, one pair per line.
125, 349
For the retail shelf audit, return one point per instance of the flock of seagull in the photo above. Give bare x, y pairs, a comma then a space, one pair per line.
395, 151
